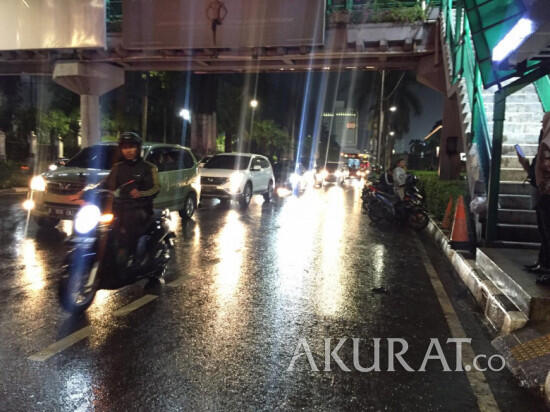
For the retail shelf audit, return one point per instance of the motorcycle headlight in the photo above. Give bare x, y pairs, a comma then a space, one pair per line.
235, 182
38, 183
87, 219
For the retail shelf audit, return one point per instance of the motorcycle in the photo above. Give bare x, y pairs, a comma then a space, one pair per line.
381, 203
91, 263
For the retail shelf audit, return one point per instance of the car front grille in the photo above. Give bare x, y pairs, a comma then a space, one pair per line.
64, 188
205, 180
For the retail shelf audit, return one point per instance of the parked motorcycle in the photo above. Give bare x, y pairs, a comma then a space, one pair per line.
91, 264
381, 203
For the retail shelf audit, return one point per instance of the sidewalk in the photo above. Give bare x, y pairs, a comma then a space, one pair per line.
14, 191
514, 304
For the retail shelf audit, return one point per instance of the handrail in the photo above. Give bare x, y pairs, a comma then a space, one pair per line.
458, 37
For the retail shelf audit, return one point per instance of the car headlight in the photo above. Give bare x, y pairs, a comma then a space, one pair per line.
235, 182
87, 219
38, 183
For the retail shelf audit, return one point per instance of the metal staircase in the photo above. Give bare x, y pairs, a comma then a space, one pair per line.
468, 74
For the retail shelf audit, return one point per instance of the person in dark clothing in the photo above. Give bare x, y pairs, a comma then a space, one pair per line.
531, 178
137, 184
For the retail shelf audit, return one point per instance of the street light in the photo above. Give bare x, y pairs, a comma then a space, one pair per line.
185, 114
393, 108
253, 103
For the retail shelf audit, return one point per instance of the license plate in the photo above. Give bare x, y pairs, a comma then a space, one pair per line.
61, 212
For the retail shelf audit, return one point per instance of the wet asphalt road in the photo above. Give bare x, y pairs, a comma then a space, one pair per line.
243, 290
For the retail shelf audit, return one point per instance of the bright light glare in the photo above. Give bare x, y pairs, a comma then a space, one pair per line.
392, 133
87, 218
513, 39
186, 114
294, 179
283, 192
38, 183
393, 108
235, 182
28, 204
52, 167
253, 103
106, 218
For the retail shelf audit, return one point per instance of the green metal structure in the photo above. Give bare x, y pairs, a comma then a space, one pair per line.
473, 29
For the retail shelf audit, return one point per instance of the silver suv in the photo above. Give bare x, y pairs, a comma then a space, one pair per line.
237, 176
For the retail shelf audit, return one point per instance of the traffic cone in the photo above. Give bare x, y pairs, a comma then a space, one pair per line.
446, 224
459, 234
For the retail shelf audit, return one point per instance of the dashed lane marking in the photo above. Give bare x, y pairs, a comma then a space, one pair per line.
62, 344
136, 304
482, 391
83, 333
178, 282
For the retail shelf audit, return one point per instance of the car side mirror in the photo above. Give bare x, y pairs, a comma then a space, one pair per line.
256, 168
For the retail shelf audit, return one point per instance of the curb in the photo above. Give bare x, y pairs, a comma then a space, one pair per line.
14, 191
503, 315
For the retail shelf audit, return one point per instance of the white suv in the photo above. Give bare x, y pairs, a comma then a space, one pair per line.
237, 176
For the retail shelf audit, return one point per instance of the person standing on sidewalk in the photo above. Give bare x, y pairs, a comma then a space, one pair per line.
530, 169
542, 178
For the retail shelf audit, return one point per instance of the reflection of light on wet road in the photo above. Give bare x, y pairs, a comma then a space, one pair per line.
330, 298
34, 270
378, 260
295, 242
230, 244
174, 221
78, 389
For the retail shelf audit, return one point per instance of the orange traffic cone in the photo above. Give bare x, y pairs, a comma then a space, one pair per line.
459, 234
446, 224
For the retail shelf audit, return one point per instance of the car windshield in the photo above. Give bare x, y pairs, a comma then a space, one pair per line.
94, 157
332, 167
228, 162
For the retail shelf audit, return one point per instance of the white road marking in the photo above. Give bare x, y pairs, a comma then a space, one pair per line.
482, 391
62, 344
136, 304
85, 332
178, 282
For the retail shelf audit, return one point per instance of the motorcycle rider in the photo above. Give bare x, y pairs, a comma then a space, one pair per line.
137, 183
400, 178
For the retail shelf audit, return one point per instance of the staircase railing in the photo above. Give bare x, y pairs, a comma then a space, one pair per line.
543, 89
465, 67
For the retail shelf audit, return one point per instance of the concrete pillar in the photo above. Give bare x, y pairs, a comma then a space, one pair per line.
60, 148
451, 142
89, 80
90, 117
203, 133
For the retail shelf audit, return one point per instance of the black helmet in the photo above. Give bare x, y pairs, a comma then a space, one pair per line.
129, 137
